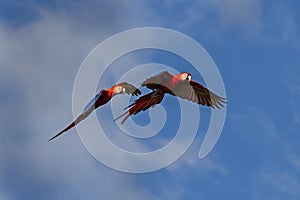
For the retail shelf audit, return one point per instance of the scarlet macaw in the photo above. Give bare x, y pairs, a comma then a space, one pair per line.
179, 85
100, 99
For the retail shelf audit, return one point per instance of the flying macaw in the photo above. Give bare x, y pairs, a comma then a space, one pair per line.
100, 99
179, 85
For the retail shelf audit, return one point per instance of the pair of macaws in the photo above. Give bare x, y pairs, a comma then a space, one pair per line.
180, 85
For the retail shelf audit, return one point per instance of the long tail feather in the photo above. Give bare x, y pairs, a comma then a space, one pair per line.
79, 119
61, 132
142, 104
121, 115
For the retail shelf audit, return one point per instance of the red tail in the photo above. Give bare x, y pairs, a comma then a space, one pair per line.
142, 104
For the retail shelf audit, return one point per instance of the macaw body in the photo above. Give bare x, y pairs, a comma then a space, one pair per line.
103, 97
179, 85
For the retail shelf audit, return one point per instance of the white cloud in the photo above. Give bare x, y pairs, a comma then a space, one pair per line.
38, 64
277, 158
284, 182
216, 18
202, 166
255, 20
245, 15
3, 197
294, 159
37, 69
283, 25
292, 84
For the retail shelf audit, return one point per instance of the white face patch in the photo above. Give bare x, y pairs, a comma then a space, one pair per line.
184, 76
118, 89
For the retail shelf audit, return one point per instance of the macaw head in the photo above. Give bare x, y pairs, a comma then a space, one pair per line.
185, 76
118, 89
123, 87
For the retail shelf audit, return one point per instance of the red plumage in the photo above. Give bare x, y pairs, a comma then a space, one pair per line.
103, 97
179, 85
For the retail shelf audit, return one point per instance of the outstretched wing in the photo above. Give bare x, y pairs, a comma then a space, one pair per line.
197, 93
130, 89
142, 104
157, 81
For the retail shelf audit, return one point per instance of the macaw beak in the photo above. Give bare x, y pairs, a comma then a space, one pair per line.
189, 78
123, 90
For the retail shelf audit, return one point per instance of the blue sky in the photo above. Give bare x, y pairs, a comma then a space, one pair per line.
255, 45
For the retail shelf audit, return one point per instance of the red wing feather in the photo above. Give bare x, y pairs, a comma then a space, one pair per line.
142, 104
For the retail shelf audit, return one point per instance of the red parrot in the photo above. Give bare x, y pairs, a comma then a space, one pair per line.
179, 85
100, 99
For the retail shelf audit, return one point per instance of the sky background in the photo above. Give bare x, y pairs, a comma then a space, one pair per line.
255, 45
